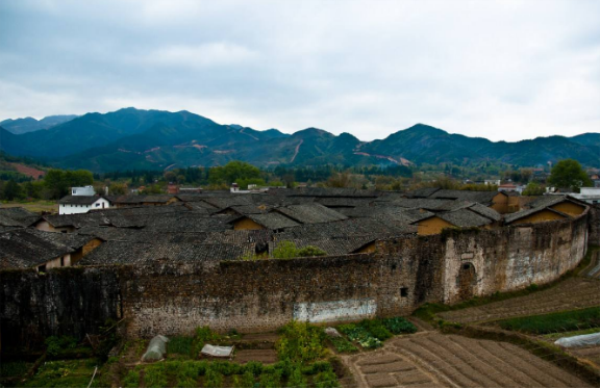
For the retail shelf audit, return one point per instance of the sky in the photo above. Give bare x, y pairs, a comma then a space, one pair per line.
504, 70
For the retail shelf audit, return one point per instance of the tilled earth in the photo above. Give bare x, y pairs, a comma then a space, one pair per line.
431, 359
573, 293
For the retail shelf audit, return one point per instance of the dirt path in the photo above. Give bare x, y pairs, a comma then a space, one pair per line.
430, 359
296, 151
574, 293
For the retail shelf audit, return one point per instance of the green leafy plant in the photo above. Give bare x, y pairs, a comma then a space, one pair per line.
342, 345
300, 342
399, 325
554, 322
311, 251
58, 344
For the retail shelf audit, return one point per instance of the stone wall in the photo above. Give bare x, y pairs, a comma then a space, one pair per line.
512, 258
175, 298
595, 225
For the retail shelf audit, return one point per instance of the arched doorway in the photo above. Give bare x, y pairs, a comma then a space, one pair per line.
466, 281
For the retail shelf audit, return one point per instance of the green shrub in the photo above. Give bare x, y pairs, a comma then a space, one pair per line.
376, 328
554, 322
342, 345
213, 379
132, 379
203, 335
245, 380
270, 378
285, 250
254, 367
399, 325
359, 334
182, 345
155, 376
13, 369
300, 342
59, 344
296, 379
326, 379
311, 251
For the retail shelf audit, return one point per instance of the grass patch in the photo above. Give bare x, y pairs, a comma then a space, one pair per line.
63, 374
181, 345
554, 322
14, 369
557, 335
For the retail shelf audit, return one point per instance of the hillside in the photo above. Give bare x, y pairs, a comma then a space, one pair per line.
147, 139
29, 124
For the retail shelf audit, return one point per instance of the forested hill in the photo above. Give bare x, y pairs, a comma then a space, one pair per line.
148, 139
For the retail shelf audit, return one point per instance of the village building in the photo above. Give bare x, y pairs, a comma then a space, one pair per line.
81, 204
30, 248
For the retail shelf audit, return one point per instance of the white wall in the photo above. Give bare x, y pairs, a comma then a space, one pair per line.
68, 209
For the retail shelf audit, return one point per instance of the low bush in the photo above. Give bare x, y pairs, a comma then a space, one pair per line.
399, 325
203, 335
554, 322
376, 328
342, 345
300, 342
60, 344
357, 333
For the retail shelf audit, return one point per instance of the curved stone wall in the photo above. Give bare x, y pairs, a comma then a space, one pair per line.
175, 298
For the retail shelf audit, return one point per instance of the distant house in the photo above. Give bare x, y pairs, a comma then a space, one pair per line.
81, 204
267, 221
473, 215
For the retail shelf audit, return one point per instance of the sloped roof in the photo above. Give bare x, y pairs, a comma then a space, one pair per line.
271, 220
482, 197
486, 211
80, 200
140, 199
181, 247
464, 218
19, 215
422, 193
29, 247
510, 218
310, 213
550, 200
332, 192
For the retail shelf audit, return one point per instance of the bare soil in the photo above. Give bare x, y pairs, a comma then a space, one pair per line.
431, 359
258, 355
571, 294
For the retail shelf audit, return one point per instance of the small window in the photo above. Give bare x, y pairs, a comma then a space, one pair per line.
42, 268
62, 261
466, 266
403, 292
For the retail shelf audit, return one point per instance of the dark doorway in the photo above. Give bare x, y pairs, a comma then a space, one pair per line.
467, 279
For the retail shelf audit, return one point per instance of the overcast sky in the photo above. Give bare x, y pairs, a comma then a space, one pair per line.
506, 70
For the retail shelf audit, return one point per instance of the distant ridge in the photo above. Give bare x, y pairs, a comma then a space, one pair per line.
150, 139
29, 124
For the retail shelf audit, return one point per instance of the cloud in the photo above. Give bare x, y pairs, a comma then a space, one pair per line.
500, 69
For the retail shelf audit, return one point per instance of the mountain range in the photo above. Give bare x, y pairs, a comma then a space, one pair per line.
149, 139
29, 124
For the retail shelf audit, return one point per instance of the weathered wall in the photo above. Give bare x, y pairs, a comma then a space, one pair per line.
512, 258
66, 301
594, 224
174, 298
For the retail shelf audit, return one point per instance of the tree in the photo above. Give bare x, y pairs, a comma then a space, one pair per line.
232, 172
117, 189
11, 191
534, 189
568, 173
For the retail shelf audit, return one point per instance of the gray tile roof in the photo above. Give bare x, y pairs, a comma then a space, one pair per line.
271, 220
510, 218
310, 213
17, 217
29, 247
79, 200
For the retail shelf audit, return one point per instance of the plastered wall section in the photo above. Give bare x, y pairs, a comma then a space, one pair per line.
513, 258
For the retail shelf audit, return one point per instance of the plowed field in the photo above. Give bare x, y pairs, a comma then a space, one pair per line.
573, 293
435, 360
